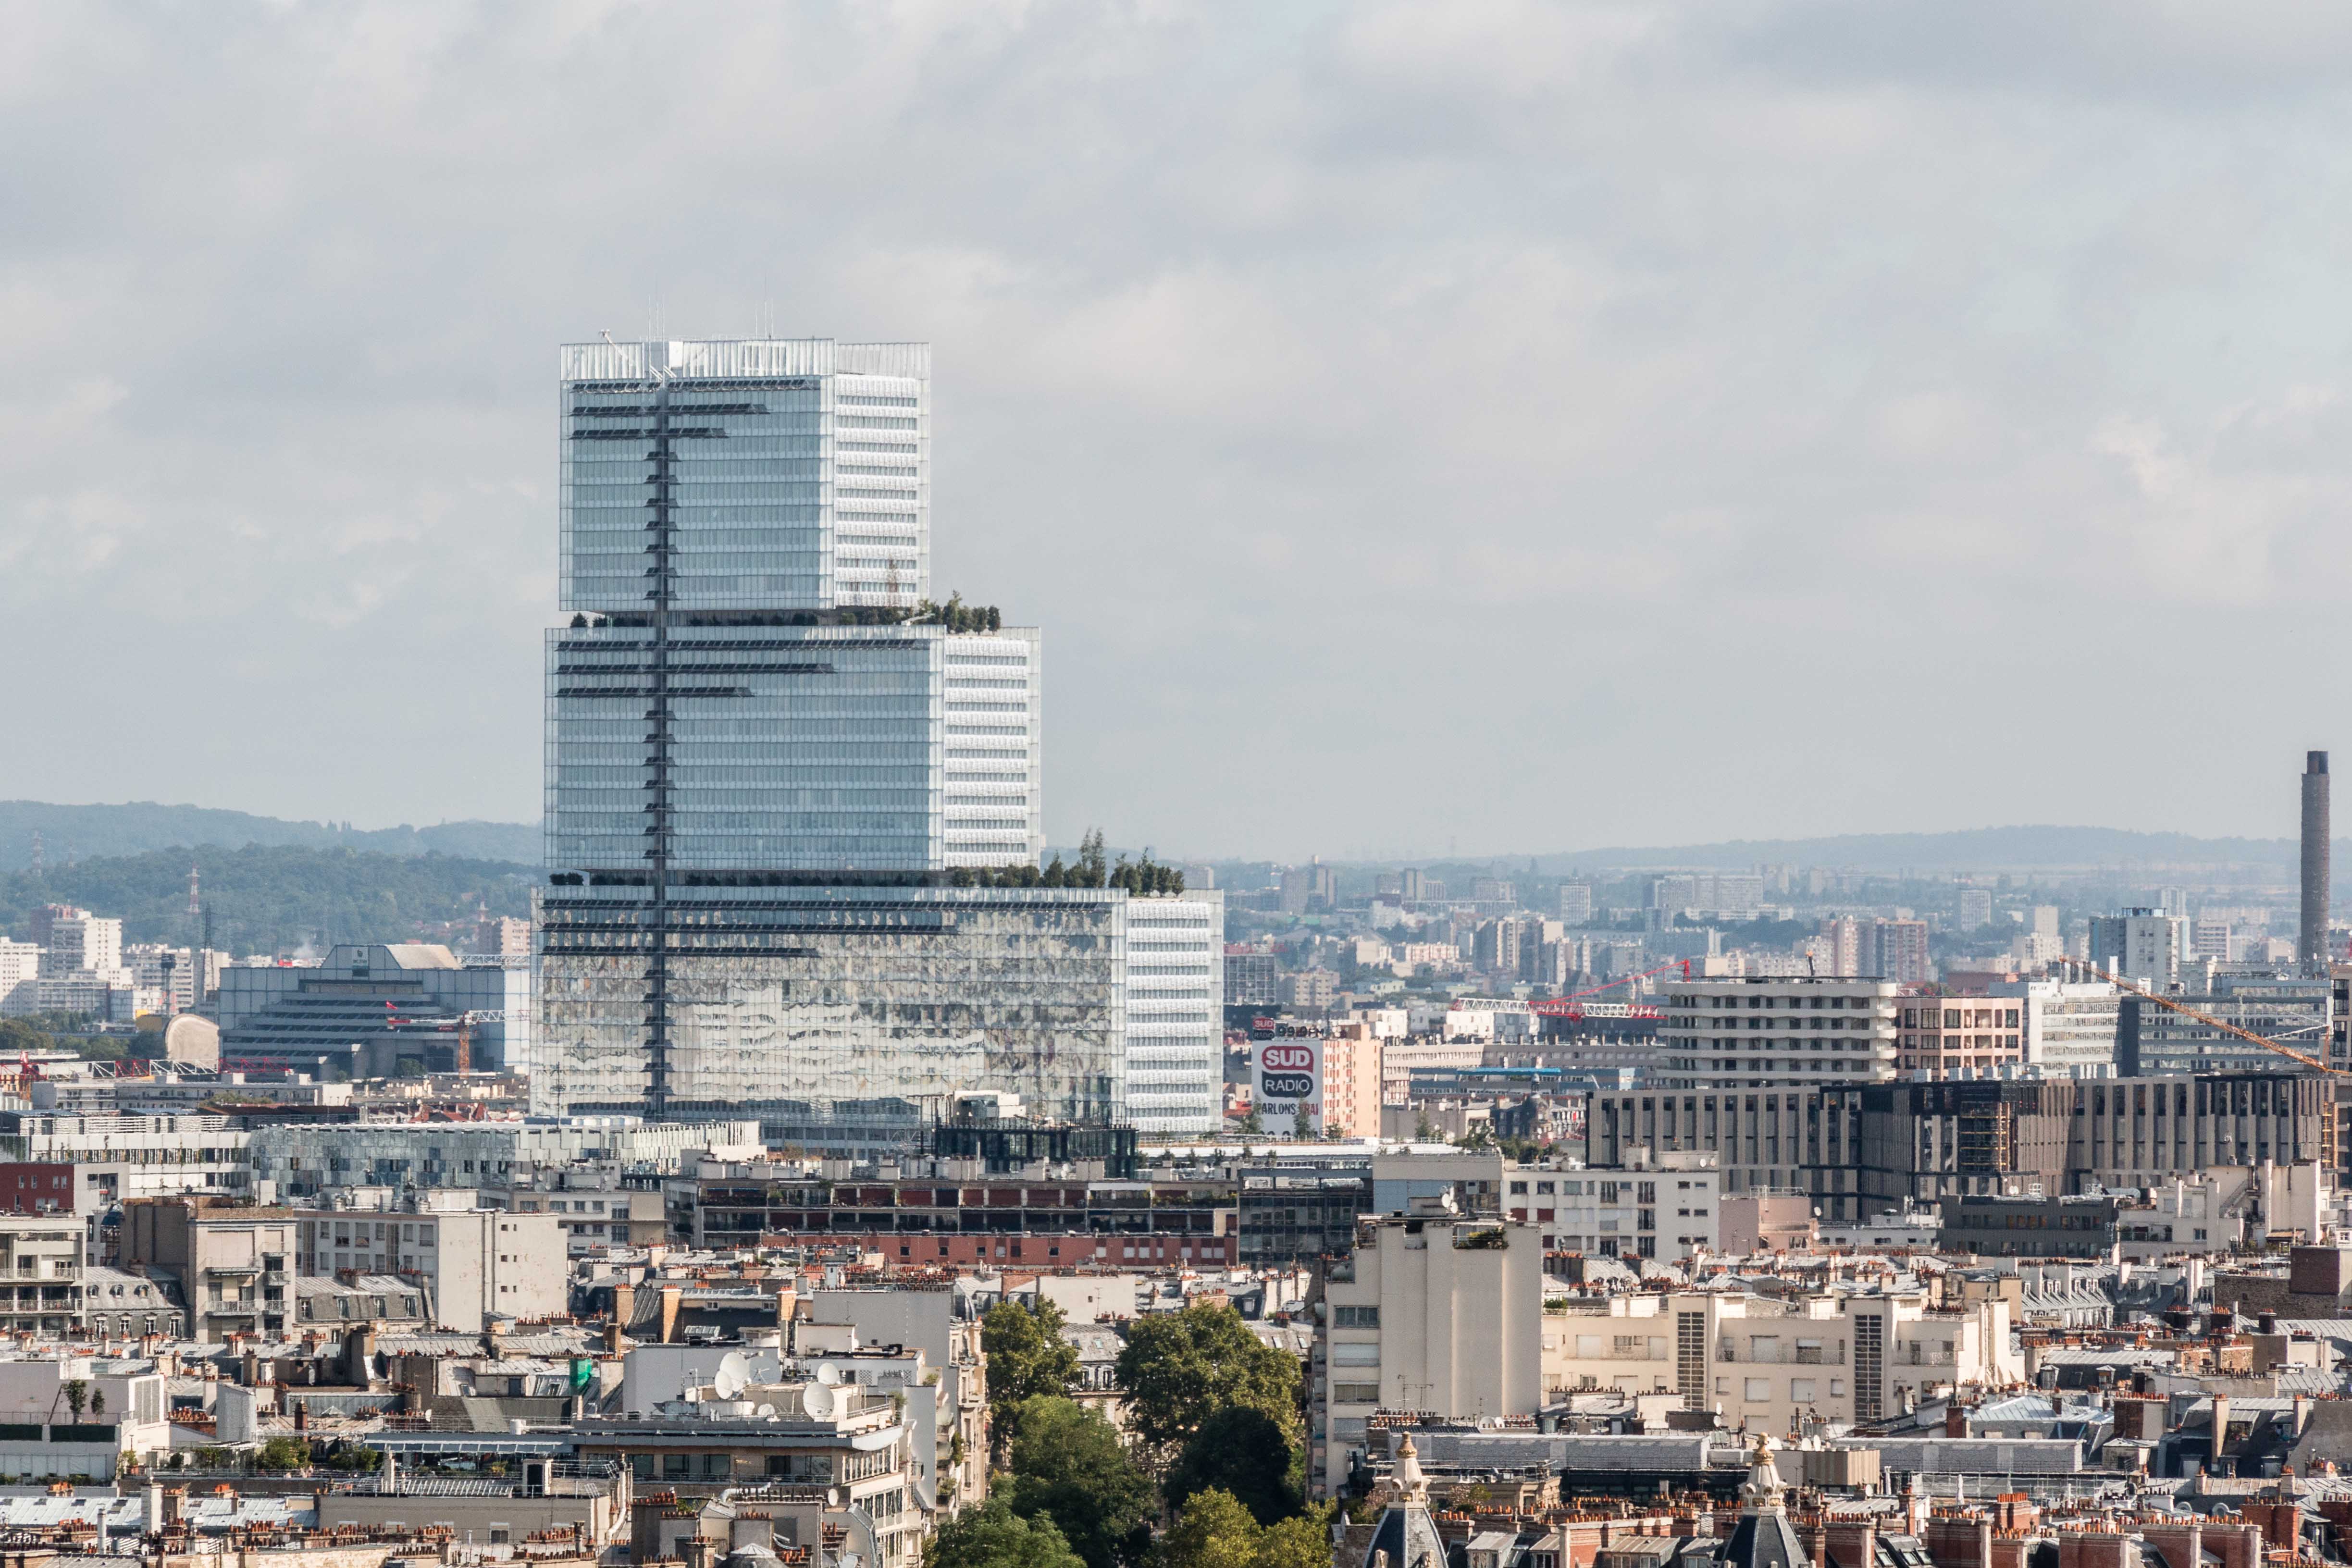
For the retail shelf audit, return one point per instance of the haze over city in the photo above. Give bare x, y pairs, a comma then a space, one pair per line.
1490, 428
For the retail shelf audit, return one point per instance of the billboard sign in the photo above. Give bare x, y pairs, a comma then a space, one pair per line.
1290, 1080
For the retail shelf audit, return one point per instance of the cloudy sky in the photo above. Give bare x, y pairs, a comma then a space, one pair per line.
1478, 426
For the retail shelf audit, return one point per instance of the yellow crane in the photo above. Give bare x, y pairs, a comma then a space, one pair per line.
2208, 1018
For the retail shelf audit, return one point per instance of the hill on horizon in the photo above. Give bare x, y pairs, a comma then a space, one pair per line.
2037, 847
138, 827
276, 898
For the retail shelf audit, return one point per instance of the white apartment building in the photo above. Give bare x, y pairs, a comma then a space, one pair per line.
1777, 1031
1765, 1361
2143, 944
1667, 1209
20, 966
1625, 1342
1438, 1314
2070, 1025
42, 1258
169, 972
1176, 1012
81, 943
476, 1263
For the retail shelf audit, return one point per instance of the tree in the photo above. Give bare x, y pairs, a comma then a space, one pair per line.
77, 1396
1296, 1542
1241, 1451
1211, 1530
993, 1536
1178, 1368
1069, 1466
98, 1401
283, 1454
1027, 1356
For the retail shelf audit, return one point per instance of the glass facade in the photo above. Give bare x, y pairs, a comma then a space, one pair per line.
761, 779
871, 1002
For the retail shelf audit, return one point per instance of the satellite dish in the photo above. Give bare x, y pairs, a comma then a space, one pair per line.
733, 1376
827, 1374
817, 1402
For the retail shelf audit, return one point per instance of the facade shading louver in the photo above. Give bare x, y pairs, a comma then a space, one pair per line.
768, 784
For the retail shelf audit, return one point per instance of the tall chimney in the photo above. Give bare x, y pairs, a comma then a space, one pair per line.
2311, 945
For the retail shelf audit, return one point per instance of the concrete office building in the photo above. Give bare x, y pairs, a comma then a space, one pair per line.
2152, 1040
1735, 1033
2070, 1025
1176, 1012
2146, 946
116, 1158
769, 787
372, 1011
302, 1160
1437, 1315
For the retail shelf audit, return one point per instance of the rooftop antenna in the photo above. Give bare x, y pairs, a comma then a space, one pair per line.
605, 333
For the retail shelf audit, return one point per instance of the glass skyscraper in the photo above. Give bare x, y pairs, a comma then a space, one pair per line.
768, 784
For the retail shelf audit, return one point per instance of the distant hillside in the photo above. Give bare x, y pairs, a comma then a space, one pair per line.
276, 898
1975, 849
80, 832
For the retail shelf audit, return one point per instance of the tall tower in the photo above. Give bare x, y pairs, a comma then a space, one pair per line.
780, 790
2311, 938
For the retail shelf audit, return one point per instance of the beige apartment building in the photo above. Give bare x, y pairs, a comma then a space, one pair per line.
1351, 1083
1443, 1314
1961, 1037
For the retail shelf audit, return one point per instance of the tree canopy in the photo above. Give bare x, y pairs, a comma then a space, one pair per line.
1179, 1368
1027, 1356
1069, 1466
1242, 1451
993, 1536
1214, 1531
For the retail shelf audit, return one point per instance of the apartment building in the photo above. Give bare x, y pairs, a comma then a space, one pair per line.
1669, 1208
43, 1257
232, 1262
1625, 1342
1351, 1081
474, 1263
1771, 1032
2143, 944
1961, 1037
1443, 1316
1764, 1362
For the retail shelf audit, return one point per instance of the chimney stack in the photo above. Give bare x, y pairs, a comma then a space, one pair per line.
2311, 944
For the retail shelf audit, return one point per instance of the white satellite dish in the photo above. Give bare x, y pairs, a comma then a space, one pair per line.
733, 1376
827, 1374
817, 1402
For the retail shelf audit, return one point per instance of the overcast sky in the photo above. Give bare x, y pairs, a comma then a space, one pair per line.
1475, 426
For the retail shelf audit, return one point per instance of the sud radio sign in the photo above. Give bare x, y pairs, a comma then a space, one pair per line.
1290, 1079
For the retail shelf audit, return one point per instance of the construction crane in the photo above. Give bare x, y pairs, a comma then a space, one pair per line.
1564, 1007
462, 1026
2207, 1018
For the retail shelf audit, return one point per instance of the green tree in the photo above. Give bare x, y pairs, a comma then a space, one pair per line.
1242, 1451
1211, 1530
1296, 1542
1179, 1368
77, 1396
1027, 1356
283, 1454
993, 1536
1069, 1466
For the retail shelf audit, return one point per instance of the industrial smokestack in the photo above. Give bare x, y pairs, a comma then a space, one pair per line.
2311, 944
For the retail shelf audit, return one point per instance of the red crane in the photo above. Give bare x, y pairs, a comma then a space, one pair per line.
1566, 1007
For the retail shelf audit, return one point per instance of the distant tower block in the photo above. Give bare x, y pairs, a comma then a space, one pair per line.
195, 904
2311, 945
